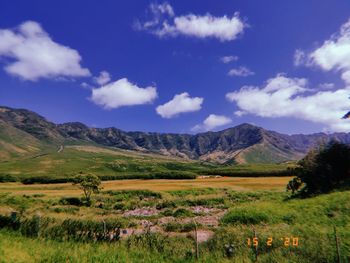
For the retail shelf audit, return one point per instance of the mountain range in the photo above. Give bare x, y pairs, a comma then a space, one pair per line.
23, 132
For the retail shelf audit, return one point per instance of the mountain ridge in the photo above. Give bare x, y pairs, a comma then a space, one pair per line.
244, 143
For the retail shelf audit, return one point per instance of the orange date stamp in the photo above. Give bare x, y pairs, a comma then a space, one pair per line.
287, 241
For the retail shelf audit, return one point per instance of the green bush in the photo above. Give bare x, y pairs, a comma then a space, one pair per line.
166, 204
181, 212
69, 210
245, 216
211, 202
5, 221
46, 180
194, 192
119, 206
324, 169
121, 195
147, 176
4, 178
71, 201
177, 227
237, 173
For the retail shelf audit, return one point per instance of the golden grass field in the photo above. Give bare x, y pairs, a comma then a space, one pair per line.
234, 183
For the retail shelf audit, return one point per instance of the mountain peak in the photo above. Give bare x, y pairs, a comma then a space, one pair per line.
245, 142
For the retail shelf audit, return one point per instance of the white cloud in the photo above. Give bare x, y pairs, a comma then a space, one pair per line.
181, 103
240, 72
158, 12
289, 97
86, 85
326, 86
33, 54
164, 8
239, 113
122, 93
299, 57
103, 78
333, 54
228, 59
211, 122
165, 23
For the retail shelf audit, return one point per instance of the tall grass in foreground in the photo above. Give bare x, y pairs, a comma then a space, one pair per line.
315, 246
268, 214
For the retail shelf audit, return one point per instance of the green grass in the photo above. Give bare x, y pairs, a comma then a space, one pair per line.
251, 170
16, 248
269, 214
112, 164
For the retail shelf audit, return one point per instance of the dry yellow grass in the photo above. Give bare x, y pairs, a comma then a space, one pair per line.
238, 184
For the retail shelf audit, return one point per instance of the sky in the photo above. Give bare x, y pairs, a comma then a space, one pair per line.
179, 66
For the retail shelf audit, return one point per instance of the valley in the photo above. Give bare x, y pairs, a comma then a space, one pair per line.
163, 197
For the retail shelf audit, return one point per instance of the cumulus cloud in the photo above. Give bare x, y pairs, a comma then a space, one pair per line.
164, 23
103, 78
32, 54
333, 54
290, 97
122, 93
228, 59
211, 122
240, 72
181, 103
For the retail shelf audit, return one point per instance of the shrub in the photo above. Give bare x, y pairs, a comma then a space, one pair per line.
147, 176
231, 172
174, 175
71, 201
194, 192
69, 210
177, 227
119, 206
245, 216
204, 202
325, 168
181, 212
7, 178
127, 194
5, 221
166, 204
46, 180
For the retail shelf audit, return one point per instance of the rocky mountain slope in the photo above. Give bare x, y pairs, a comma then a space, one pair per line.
243, 143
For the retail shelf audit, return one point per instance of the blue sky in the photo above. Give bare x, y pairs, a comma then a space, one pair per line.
291, 56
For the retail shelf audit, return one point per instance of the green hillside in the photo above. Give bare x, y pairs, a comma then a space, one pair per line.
17, 143
97, 160
110, 164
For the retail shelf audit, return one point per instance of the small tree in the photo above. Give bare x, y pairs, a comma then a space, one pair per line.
323, 169
89, 184
294, 185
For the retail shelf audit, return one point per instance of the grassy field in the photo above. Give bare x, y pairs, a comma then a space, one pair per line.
112, 164
234, 183
161, 213
155, 220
